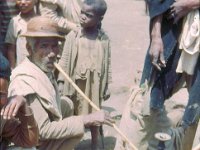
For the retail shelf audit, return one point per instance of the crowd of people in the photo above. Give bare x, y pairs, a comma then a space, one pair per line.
40, 109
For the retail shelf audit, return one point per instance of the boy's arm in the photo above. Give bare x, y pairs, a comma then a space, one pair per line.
156, 51
10, 41
65, 59
11, 51
106, 93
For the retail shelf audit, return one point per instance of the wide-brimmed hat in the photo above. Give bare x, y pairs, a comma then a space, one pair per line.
41, 26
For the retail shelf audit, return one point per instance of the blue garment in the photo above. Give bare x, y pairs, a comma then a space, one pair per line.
166, 79
4, 67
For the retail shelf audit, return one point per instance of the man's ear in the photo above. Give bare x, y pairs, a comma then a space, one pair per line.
29, 48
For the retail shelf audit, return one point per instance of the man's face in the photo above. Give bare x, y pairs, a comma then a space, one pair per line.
25, 6
3, 91
44, 55
88, 18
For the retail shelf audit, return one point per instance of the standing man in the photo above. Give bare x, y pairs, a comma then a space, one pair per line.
34, 79
161, 63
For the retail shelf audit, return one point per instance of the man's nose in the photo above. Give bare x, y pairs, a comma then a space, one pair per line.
23, 1
51, 55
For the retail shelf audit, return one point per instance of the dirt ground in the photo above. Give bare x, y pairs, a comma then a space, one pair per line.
127, 25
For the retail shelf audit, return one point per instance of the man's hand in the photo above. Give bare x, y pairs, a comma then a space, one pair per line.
156, 53
97, 118
181, 8
106, 94
15, 105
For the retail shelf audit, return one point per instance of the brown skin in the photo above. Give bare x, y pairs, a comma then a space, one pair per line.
156, 48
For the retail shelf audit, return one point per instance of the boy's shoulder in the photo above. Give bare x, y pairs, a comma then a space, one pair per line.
16, 18
103, 35
72, 34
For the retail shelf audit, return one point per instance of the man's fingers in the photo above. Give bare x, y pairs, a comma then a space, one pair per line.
12, 107
155, 62
156, 66
162, 60
16, 109
5, 111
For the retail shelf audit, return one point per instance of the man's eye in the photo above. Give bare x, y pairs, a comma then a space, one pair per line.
43, 46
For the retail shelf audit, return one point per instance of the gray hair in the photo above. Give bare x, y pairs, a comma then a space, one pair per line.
31, 42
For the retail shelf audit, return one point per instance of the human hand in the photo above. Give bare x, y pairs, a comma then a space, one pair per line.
15, 105
106, 94
156, 53
181, 8
98, 118
60, 88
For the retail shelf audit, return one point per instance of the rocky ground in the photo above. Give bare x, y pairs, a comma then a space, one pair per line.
126, 23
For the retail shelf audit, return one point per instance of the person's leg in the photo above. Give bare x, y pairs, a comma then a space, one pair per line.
67, 107
165, 82
61, 144
192, 111
94, 137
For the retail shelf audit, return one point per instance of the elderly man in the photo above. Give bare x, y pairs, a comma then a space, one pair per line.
34, 79
17, 121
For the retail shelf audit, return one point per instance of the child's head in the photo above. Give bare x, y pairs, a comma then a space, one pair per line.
26, 6
92, 13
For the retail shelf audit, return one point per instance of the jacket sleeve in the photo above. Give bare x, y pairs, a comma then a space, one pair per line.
50, 128
50, 10
22, 132
157, 7
109, 63
64, 61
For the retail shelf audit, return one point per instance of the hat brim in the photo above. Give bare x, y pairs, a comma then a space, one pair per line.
42, 34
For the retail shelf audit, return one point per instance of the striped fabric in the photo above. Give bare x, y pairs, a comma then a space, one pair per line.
8, 10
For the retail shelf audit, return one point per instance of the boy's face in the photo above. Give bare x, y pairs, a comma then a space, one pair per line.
88, 18
25, 6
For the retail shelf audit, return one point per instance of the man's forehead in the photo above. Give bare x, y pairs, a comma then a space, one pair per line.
49, 40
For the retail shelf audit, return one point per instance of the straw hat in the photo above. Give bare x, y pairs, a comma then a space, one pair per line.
42, 27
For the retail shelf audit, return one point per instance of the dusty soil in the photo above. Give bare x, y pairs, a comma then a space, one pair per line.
126, 23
